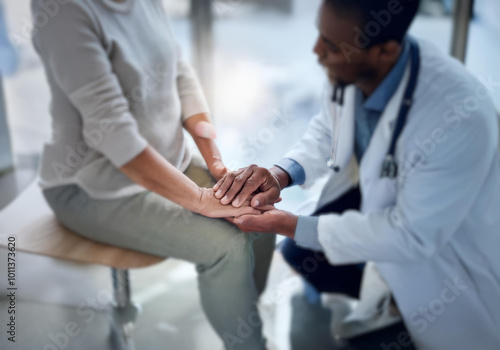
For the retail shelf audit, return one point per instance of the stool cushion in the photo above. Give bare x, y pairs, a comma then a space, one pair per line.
32, 222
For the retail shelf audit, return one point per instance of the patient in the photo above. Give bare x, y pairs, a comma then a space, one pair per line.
118, 170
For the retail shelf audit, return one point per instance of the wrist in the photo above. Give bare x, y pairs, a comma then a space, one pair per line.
217, 168
200, 202
289, 225
281, 176
214, 162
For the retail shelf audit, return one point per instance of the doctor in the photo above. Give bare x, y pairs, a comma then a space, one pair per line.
413, 178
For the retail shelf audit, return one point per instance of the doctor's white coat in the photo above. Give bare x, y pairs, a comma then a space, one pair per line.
434, 232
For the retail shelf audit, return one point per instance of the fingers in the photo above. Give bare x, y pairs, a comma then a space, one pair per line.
241, 227
266, 208
258, 181
248, 211
246, 223
243, 220
245, 183
221, 180
252, 184
254, 223
223, 185
239, 187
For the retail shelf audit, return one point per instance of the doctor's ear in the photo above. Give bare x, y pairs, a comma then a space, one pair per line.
387, 52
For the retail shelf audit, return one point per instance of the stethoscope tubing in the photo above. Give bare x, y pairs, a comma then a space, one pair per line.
338, 100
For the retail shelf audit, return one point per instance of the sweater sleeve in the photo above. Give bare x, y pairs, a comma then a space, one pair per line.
77, 62
189, 88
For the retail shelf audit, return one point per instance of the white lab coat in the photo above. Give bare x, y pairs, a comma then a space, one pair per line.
434, 233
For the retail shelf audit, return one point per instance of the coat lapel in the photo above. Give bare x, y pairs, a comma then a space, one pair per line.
346, 126
381, 192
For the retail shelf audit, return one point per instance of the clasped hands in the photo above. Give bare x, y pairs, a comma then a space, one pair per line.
259, 188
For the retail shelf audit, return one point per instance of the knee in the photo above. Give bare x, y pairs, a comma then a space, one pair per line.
237, 245
232, 247
291, 253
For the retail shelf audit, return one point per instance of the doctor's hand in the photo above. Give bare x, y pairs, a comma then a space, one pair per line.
272, 221
237, 187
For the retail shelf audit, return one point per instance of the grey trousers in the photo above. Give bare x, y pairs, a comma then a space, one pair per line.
232, 266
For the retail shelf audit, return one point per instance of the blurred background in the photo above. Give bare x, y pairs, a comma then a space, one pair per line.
263, 82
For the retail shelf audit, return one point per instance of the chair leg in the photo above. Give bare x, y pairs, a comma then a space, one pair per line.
124, 311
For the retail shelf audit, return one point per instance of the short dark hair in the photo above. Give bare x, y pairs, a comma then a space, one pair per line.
393, 17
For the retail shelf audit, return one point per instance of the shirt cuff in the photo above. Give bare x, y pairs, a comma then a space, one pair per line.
294, 170
306, 233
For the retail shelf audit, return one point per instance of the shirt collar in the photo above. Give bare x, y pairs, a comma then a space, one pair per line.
383, 93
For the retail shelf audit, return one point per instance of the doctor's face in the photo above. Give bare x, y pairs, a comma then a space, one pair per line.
344, 62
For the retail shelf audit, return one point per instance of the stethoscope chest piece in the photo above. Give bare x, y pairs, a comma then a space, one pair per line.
331, 164
389, 167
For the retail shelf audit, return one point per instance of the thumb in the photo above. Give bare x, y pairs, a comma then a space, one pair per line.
267, 208
245, 220
262, 199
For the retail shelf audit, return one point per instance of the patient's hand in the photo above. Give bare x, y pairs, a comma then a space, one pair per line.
237, 187
271, 221
211, 206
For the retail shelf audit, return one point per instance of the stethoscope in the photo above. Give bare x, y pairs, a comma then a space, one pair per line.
389, 165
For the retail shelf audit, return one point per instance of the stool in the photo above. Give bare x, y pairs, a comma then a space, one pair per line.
37, 231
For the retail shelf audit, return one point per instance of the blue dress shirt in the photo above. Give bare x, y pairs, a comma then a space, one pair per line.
368, 111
